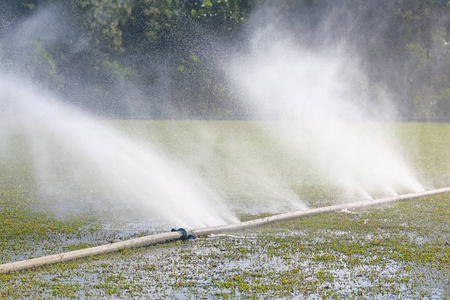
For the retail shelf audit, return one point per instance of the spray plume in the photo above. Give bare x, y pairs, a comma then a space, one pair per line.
315, 95
71, 151
317, 98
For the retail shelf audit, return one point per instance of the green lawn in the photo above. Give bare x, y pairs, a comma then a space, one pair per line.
396, 251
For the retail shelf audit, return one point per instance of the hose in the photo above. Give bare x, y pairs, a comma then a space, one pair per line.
184, 234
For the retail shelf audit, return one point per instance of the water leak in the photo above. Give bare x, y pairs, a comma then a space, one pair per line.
324, 122
75, 156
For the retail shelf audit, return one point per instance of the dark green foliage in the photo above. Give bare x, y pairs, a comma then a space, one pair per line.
403, 46
103, 19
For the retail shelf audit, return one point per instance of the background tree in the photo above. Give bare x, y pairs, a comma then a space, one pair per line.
99, 52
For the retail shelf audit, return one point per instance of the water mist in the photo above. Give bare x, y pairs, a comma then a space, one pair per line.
74, 154
319, 100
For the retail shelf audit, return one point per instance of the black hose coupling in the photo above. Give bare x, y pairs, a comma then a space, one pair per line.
185, 234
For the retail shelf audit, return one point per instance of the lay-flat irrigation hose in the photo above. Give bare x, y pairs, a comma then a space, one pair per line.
184, 234
313, 211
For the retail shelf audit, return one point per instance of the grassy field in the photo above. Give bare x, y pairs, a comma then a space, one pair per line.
399, 251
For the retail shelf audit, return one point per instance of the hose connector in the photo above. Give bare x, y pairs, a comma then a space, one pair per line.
186, 234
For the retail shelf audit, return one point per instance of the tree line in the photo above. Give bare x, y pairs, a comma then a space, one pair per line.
159, 57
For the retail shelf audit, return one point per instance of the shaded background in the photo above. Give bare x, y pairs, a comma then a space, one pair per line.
164, 59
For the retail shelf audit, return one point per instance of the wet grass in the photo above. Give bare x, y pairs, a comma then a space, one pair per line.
399, 251
396, 251
25, 232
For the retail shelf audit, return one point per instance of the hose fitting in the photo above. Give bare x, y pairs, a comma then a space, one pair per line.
185, 234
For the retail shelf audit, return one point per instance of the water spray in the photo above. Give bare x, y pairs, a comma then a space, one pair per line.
185, 234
